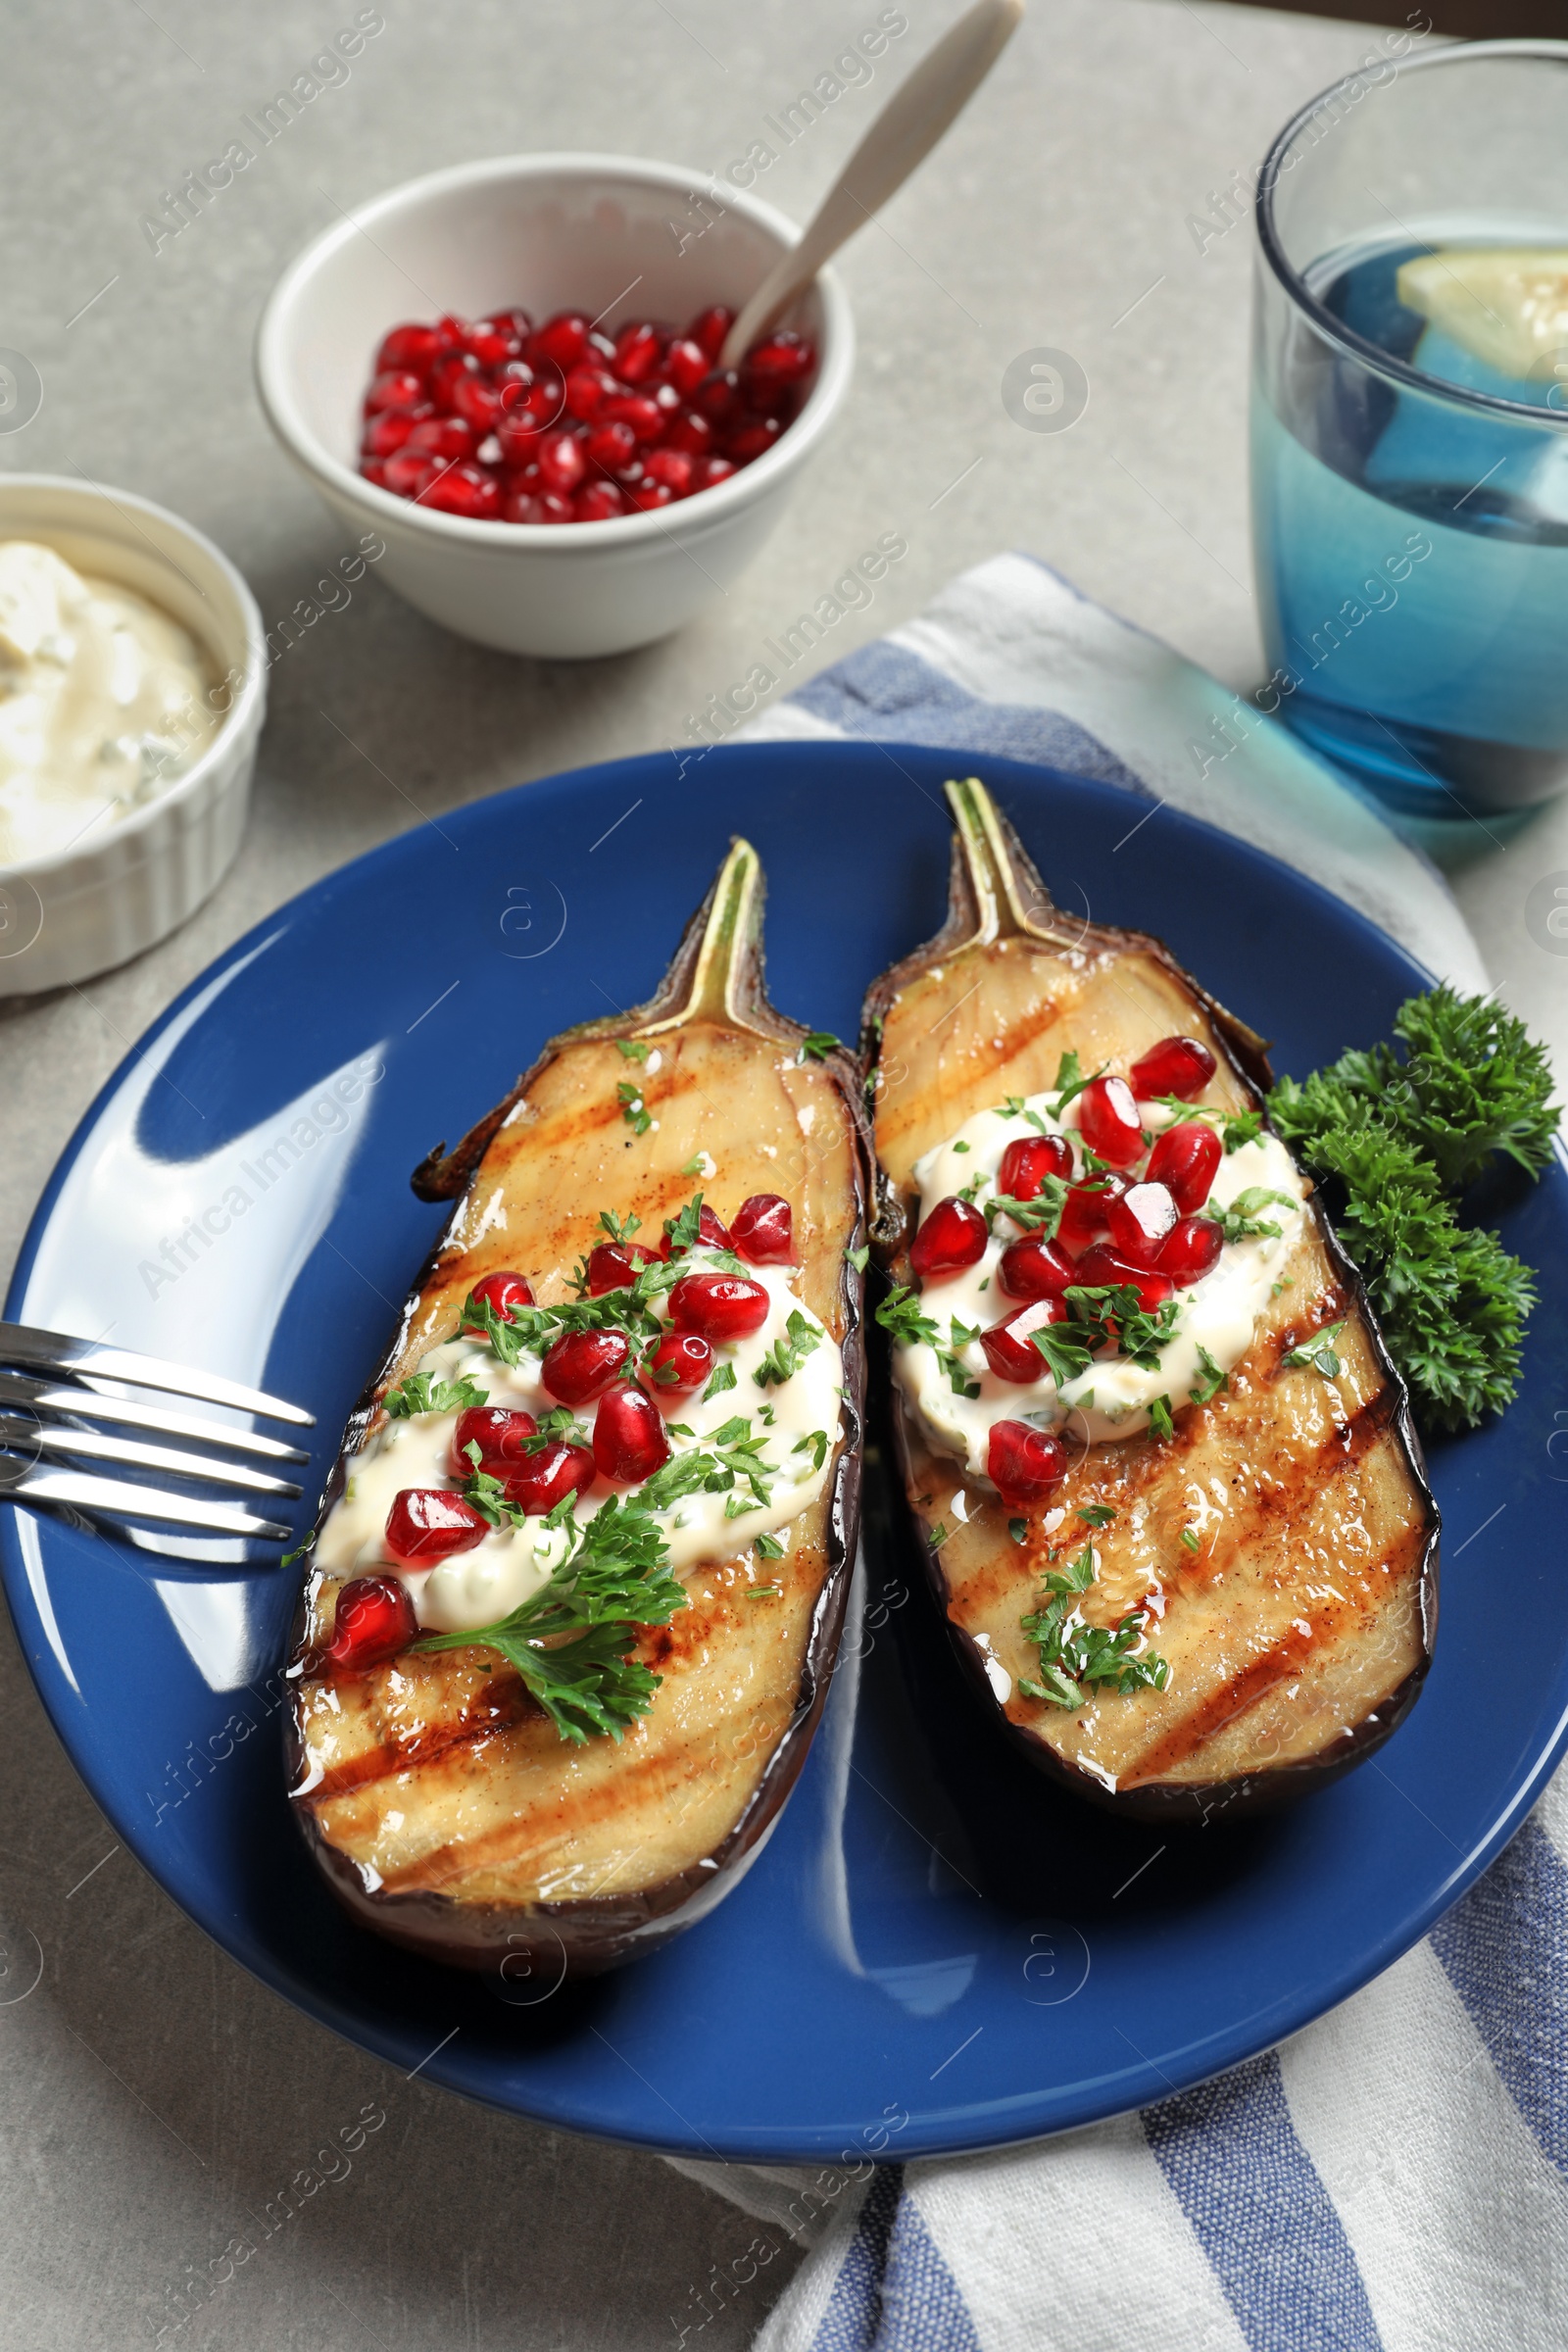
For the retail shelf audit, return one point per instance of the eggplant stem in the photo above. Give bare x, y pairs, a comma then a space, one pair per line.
716, 974
1007, 892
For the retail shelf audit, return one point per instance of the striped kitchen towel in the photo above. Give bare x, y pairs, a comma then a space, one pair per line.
1397, 2175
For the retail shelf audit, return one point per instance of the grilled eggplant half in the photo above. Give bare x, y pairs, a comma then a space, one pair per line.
455, 1801
1213, 1582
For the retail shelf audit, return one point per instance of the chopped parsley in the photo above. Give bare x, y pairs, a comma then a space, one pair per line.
1095, 1514
1042, 1215
789, 1352
1070, 1082
1210, 1379
1159, 1420
1018, 1530
815, 1445
817, 1046
1240, 1222
769, 1548
1236, 1127
1075, 1658
1317, 1354
619, 1229
765, 1592
900, 1315
1192, 1539
632, 1048
857, 1258
633, 1109
723, 1378
427, 1393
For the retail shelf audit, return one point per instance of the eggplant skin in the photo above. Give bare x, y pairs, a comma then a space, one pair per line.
515, 1852
1302, 1638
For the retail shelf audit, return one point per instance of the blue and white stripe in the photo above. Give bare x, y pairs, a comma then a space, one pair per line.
1395, 2178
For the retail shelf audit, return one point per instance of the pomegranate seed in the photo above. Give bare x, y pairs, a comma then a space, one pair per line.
453, 331
711, 1233
1192, 1250
613, 1265
498, 1434
629, 1441
587, 390
686, 363
781, 358
763, 1228
562, 339
714, 471
646, 494
709, 329
465, 490
504, 1292
599, 502
1034, 1268
665, 399
1177, 1066
1026, 1163
1107, 1118
443, 438
1140, 1221
1009, 1348
1186, 1158
601, 347
387, 431
541, 506
718, 395
1084, 1212
561, 464
411, 349
636, 409
581, 1364
477, 402
374, 1620
373, 469
427, 1524
672, 467
408, 474
445, 377
690, 432
720, 1307
681, 1362
1024, 1463
397, 388
637, 352
953, 1236
532, 396
1103, 1266
752, 438
543, 1479
611, 446
493, 340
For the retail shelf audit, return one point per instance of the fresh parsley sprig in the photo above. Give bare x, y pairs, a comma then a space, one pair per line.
1042, 1215
570, 1641
1236, 1127
899, 1316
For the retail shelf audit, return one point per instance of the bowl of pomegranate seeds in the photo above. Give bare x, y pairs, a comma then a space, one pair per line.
555, 459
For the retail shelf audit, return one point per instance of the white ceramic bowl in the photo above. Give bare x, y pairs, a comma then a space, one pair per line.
81, 911
550, 232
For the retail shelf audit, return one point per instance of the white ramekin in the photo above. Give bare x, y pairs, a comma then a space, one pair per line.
549, 231
81, 911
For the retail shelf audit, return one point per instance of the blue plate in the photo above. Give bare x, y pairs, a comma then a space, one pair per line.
937, 1951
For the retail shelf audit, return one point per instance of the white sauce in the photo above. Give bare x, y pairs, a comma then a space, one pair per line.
476, 1587
103, 702
1112, 1398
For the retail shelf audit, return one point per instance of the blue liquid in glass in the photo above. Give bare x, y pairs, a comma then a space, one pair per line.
1412, 555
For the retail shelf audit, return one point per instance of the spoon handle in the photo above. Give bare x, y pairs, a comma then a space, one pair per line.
903, 134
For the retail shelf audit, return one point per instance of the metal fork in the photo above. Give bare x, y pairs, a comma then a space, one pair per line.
64, 1385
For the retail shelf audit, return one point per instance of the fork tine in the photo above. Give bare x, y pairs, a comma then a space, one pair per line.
83, 1494
94, 1404
59, 1351
91, 1445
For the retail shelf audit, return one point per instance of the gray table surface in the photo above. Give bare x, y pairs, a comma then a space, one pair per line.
155, 2098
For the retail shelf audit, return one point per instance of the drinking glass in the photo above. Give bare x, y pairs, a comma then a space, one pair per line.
1409, 528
